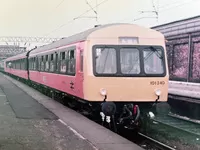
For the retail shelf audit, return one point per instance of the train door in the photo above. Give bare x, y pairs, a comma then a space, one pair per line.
75, 71
80, 74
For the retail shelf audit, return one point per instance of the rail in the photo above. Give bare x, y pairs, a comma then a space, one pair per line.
155, 143
184, 118
181, 125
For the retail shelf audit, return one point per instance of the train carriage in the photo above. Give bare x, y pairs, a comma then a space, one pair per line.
119, 65
17, 66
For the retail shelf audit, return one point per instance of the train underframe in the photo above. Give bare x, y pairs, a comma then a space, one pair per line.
114, 115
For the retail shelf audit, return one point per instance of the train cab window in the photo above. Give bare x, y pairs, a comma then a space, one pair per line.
71, 62
51, 63
46, 63
106, 61
153, 61
129, 61
62, 63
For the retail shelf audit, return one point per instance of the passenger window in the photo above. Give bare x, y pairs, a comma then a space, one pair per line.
46, 63
51, 63
42, 64
21, 64
34, 63
62, 63
71, 62
81, 61
57, 63
22, 67
39, 63
30, 63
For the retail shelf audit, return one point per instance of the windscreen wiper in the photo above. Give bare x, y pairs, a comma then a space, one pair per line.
156, 52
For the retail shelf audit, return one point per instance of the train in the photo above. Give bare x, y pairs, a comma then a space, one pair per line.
117, 71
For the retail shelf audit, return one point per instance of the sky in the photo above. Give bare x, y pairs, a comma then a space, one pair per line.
55, 18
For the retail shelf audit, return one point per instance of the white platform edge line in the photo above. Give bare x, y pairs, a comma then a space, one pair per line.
77, 134
74, 131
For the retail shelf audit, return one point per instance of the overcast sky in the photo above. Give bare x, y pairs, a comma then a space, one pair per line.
54, 18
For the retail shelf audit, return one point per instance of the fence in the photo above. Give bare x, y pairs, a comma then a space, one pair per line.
183, 54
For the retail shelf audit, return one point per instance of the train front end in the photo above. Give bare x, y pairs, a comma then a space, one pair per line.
127, 71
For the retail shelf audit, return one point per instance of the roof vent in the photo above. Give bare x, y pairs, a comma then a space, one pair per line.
97, 25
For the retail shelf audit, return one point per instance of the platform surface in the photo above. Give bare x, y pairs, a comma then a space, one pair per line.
25, 124
38, 122
184, 89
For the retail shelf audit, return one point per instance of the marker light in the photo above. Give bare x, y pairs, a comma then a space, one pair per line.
103, 92
158, 92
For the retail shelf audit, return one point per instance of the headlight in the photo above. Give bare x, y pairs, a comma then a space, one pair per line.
103, 92
151, 115
158, 92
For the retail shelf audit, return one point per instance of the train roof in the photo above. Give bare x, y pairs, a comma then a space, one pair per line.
22, 55
79, 37
75, 38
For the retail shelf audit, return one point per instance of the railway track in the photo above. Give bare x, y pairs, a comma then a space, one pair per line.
184, 118
149, 143
180, 124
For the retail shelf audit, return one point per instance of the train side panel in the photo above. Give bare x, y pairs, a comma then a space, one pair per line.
16, 71
19, 73
69, 84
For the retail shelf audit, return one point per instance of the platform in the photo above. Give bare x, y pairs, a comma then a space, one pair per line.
186, 89
27, 125
184, 99
29, 120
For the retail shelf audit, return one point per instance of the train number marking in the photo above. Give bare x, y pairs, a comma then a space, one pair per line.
157, 83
